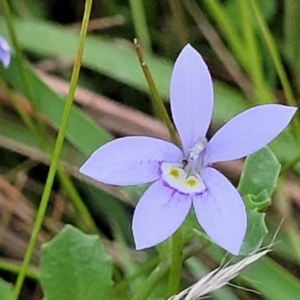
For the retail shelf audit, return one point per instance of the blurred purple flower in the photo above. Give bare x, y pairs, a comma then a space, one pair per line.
4, 52
185, 177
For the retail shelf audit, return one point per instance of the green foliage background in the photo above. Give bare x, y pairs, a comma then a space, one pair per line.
252, 49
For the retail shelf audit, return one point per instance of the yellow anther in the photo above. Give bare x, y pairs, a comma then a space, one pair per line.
191, 182
174, 173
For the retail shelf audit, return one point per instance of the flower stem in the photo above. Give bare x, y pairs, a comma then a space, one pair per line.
177, 243
158, 273
157, 102
176, 264
161, 270
145, 268
56, 154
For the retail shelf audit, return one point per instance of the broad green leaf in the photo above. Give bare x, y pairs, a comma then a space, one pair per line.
75, 266
257, 184
82, 132
5, 290
256, 231
259, 202
260, 173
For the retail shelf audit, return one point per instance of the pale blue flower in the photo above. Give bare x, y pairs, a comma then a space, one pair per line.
182, 178
4, 52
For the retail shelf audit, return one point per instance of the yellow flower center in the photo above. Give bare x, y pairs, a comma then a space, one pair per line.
177, 178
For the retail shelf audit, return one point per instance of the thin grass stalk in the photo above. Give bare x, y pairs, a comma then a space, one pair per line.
159, 108
143, 269
56, 154
274, 54
290, 98
85, 218
179, 23
244, 49
151, 282
262, 93
291, 23
140, 23
38, 127
218, 47
228, 29
157, 103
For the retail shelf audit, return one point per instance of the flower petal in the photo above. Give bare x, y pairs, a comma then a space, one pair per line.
191, 96
221, 211
158, 214
130, 160
4, 52
248, 132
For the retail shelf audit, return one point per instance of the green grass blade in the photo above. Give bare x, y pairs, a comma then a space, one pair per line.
272, 281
